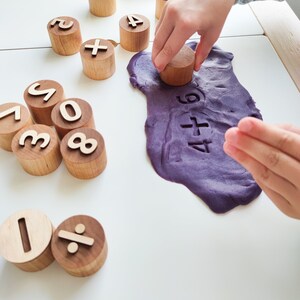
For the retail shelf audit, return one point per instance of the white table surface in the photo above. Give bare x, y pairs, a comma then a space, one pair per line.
23, 24
164, 243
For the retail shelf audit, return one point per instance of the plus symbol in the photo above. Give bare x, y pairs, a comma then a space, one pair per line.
96, 47
195, 125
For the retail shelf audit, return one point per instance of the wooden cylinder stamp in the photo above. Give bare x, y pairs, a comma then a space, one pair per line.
160, 4
84, 153
13, 117
25, 240
65, 35
79, 245
102, 8
180, 70
40, 97
98, 59
72, 114
134, 32
37, 149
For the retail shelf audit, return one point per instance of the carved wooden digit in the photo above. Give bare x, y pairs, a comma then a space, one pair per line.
66, 115
13, 117
41, 101
89, 159
37, 160
62, 24
134, 20
134, 32
49, 92
16, 110
86, 146
35, 137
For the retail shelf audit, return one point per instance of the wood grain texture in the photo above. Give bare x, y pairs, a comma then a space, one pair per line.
35, 160
87, 260
180, 70
29, 246
64, 126
9, 126
100, 66
282, 27
65, 41
134, 39
80, 165
39, 108
160, 4
102, 8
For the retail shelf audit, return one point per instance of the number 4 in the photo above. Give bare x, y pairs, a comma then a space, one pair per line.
134, 20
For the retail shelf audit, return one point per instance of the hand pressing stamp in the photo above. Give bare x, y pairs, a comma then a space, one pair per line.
13, 117
98, 59
65, 35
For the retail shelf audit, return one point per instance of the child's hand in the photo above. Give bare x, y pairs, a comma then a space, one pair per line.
272, 155
182, 18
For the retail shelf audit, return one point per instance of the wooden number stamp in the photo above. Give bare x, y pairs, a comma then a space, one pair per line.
13, 117
160, 4
102, 8
72, 114
40, 97
134, 32
65, 35
98, 59
180, 70
84, 154
37, 149
25, 240
79, 245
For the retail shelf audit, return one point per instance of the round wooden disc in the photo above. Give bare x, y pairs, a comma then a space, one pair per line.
136, 38
9, 126
39, 108
100, 66
80, 165
87, 259
180, 70
64, 126
25, 240
65, 41
34, 159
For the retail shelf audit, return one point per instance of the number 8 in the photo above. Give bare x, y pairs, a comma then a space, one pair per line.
82, 145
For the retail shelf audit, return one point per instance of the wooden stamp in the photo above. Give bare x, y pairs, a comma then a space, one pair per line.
72, 114
134, 32
102, 8
180, 70
13, 117
98, 59
37, 149
25, 240
40, 97
79, 245
65, 35
160, 4
84, 153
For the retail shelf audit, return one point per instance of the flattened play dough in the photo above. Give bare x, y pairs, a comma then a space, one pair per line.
185, 129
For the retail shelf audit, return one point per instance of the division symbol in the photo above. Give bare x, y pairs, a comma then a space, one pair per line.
76, 238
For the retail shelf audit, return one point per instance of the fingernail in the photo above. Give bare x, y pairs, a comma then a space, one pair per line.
231, 135
245, 125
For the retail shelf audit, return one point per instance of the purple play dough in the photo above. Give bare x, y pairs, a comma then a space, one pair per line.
186, 125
